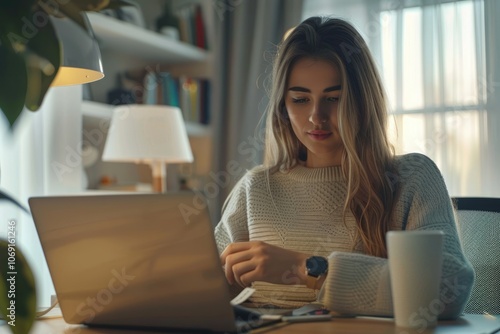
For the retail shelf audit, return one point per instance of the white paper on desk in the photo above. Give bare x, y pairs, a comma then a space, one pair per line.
242, 296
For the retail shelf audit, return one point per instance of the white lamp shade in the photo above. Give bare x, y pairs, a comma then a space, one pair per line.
147, 133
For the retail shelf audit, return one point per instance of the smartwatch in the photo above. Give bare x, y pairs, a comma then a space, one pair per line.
316, 267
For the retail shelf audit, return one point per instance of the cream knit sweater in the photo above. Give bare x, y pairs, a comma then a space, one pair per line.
302, 210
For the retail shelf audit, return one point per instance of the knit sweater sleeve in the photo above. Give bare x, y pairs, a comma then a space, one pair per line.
233, 226
360, 284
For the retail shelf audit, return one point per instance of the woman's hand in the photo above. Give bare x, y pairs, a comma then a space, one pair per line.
246, 262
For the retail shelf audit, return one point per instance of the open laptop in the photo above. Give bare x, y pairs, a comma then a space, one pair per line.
147, 260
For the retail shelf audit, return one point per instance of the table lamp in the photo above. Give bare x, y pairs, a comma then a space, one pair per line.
152, 134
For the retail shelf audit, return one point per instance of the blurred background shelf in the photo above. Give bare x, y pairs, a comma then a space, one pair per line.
141, 43
131, 49
98, 112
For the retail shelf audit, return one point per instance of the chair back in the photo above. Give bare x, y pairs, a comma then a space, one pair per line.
478, 221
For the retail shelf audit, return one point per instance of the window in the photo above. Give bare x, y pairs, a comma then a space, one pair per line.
433, 68
432, 57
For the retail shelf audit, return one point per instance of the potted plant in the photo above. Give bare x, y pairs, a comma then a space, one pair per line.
30, 56
30, 50
17, 283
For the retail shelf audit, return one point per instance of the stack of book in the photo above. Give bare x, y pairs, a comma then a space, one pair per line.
191, 95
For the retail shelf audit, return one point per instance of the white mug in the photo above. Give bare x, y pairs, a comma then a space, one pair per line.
415, 260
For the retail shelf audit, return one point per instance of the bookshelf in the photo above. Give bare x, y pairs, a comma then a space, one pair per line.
125, 46
145, 45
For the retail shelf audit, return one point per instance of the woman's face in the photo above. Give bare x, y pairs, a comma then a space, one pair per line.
311, 100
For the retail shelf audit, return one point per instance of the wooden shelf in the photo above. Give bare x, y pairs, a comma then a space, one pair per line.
147, 45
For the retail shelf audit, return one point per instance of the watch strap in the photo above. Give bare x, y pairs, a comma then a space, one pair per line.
313, 282
316, 268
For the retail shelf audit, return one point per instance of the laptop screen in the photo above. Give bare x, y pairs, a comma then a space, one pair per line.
134, 260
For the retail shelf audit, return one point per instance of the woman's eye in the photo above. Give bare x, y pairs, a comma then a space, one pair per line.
332, 99
299, 100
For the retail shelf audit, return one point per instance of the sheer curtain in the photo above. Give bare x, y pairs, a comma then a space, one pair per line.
40, 157
247, 33
439, 61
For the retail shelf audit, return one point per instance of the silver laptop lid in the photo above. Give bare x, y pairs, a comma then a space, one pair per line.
134, 260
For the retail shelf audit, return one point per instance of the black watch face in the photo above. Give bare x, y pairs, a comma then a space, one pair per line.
316, 266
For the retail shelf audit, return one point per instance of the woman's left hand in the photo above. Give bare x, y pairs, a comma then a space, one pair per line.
246, 262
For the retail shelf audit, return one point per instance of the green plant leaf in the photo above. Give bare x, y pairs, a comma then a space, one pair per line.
13, 84
17, 10
16, 23
43, 58
17, 287
17, 28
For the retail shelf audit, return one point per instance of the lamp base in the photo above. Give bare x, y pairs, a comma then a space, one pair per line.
159, 176
159, 184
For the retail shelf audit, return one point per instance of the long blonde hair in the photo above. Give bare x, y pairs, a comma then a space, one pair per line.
367, 161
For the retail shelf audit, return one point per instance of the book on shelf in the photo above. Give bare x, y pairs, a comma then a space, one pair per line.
192, 28
199, 28
190, 94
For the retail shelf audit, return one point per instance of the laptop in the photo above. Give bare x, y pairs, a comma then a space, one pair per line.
136, 260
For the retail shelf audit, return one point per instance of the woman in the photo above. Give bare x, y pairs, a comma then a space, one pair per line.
311, 222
